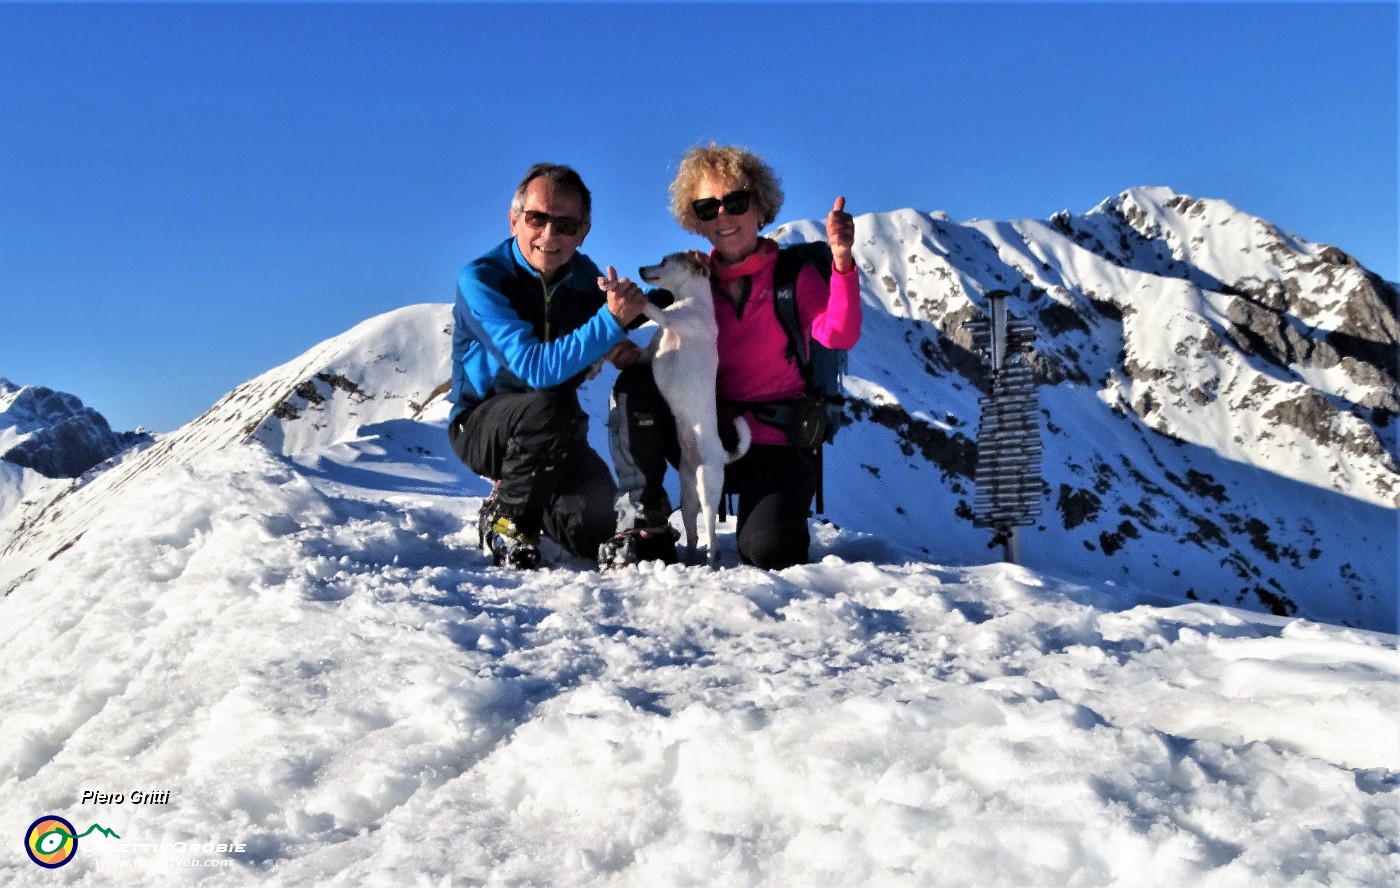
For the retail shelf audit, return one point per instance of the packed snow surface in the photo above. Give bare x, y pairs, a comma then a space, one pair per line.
336, 688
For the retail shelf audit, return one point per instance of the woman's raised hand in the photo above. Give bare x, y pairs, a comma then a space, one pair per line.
841, 234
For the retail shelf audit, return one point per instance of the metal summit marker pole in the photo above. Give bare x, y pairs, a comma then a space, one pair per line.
1009, 486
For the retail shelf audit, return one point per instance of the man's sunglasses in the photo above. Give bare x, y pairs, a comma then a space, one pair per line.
735, 203
563, 225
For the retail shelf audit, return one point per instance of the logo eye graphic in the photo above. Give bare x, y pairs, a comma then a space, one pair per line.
51, 841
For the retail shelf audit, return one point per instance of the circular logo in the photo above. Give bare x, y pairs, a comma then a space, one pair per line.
51, 841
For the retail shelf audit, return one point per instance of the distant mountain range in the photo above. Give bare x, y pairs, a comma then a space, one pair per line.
54, 434
46, 435
1218, 403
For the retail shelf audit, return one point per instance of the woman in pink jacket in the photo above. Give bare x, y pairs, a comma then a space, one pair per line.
727, 195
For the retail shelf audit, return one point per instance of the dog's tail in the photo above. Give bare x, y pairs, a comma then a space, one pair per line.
741, 426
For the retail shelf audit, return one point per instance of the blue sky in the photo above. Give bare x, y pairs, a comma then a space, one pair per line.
192, 194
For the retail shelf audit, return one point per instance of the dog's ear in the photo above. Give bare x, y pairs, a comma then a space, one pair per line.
702, 260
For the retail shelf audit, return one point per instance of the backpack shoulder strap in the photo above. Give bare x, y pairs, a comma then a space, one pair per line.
790, 261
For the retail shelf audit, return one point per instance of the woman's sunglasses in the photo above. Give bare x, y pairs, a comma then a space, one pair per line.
563, 225
735, 203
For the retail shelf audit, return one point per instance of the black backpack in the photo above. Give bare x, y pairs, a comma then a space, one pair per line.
823, 367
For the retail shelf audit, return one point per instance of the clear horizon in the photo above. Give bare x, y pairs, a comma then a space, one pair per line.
192, 194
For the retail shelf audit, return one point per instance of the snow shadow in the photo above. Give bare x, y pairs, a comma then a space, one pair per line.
397, 456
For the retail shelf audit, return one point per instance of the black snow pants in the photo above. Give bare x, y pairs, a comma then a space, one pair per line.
535, 444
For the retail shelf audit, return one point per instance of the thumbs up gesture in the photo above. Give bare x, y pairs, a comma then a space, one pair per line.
841, 234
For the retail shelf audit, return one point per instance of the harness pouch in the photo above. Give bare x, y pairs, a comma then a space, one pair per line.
809, 422
805, 420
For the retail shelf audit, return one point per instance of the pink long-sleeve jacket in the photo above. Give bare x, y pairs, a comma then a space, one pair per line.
753, 349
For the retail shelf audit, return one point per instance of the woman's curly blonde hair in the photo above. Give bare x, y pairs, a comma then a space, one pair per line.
738, 167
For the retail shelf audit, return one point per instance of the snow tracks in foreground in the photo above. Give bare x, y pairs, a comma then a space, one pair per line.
336, 680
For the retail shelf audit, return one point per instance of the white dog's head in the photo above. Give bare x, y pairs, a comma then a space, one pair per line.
676, 271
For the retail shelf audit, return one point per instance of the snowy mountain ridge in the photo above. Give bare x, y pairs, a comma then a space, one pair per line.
295, 405
1216, 397
1210, 389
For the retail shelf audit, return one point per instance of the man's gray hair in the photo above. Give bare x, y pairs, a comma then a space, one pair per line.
562, 177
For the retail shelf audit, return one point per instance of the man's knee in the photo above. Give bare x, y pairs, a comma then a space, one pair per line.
521, 440
549, 415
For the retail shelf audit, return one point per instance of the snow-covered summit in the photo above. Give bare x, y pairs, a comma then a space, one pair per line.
1210, 389
386, 368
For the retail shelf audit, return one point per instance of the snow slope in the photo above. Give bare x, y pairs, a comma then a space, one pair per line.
18, 483
397, 362
332, 678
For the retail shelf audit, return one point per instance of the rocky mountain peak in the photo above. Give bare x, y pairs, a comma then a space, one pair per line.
55, 434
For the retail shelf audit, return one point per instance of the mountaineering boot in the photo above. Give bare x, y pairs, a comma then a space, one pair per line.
502, 537
511, 547
640, 544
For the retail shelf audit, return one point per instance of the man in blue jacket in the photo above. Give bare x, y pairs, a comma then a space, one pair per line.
531, 318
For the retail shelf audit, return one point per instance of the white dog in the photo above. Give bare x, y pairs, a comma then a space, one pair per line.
684, 359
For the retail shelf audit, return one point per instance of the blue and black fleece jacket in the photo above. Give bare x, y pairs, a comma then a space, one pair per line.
512, 332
